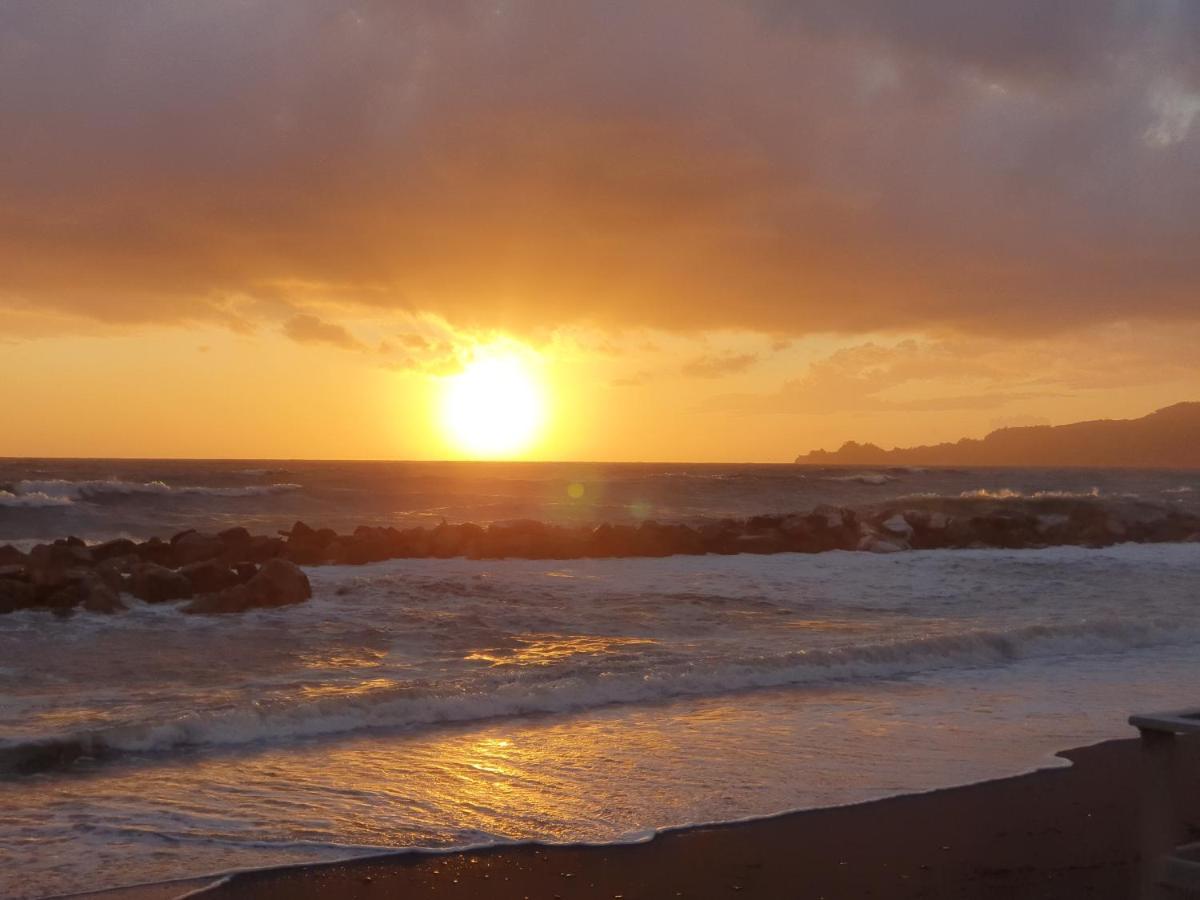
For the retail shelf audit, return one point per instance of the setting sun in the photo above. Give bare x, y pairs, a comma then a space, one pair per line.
495, 406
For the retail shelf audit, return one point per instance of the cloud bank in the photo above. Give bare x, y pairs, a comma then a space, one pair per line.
786, 167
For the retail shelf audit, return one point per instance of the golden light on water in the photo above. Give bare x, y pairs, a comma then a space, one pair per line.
495, 407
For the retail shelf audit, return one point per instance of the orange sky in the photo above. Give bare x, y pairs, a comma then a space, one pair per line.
722, 231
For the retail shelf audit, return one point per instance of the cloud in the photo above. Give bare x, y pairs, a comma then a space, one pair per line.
973, 374
784, 166
719, 366
306, 328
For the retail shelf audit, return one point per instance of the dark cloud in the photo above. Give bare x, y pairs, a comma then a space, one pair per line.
788, 167
307, 328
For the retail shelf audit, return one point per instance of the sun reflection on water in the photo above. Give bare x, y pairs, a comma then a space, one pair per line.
545, 650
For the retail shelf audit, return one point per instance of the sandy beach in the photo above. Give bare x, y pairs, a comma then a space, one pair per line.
1069, 832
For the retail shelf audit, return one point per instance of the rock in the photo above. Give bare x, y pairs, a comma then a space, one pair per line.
520, 539
112, 549
98, 597
156, 551
16, 595
62, 600
53, 566
245, 571
192, 547
63, 554
307, 546
446, 541
158, 584
261, 548
18, 572
611, 540
876, 544
115, 572
11, 556
897, 526
278, 583
236, 539
833, 528
208, 576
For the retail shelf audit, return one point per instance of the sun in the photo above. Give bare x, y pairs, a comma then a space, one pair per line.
495, 407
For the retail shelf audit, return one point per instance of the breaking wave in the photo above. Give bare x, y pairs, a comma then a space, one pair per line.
874, 478
61, 492
501, 694
1008, 494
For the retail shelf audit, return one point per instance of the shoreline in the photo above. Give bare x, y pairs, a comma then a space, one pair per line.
1057, 831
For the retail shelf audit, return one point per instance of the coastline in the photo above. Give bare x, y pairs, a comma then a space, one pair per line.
1062, 831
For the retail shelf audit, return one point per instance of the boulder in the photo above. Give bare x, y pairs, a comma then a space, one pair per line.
112, 549
209, 575
655, 539
897, 527
11, 556
610, 540
261, 548
446, 541
192, 547
307, 546
244, 571
62, 554
98, 597
236, 539
156, 551
877, 544
158, 584
16, 595
116, 572
278, 583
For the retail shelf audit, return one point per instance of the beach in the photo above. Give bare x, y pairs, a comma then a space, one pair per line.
1069, 832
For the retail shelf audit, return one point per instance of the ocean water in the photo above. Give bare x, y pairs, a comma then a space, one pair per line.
449, 703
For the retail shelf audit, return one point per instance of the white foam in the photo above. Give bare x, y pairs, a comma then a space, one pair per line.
32, 500
510, 694
1009, 494
63, 492
873, 478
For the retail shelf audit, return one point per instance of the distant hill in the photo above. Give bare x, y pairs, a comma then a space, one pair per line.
1166, 439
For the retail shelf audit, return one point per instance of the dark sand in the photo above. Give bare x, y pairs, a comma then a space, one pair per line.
1060, 833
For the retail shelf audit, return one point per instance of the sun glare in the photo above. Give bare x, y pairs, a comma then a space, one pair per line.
495, 407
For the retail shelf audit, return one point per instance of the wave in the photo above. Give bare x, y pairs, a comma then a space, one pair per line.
875, 478
32, 500
61, 492
1009, 494
503, 694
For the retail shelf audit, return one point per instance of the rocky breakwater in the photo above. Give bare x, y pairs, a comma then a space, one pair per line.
228, 572
234, 571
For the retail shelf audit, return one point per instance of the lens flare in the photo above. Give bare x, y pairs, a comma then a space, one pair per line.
496, 406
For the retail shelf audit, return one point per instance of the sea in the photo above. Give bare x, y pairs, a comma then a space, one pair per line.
455, 703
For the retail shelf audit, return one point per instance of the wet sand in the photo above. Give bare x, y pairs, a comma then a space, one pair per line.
1070, 832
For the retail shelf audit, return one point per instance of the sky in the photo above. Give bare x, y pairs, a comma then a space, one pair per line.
712, 230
